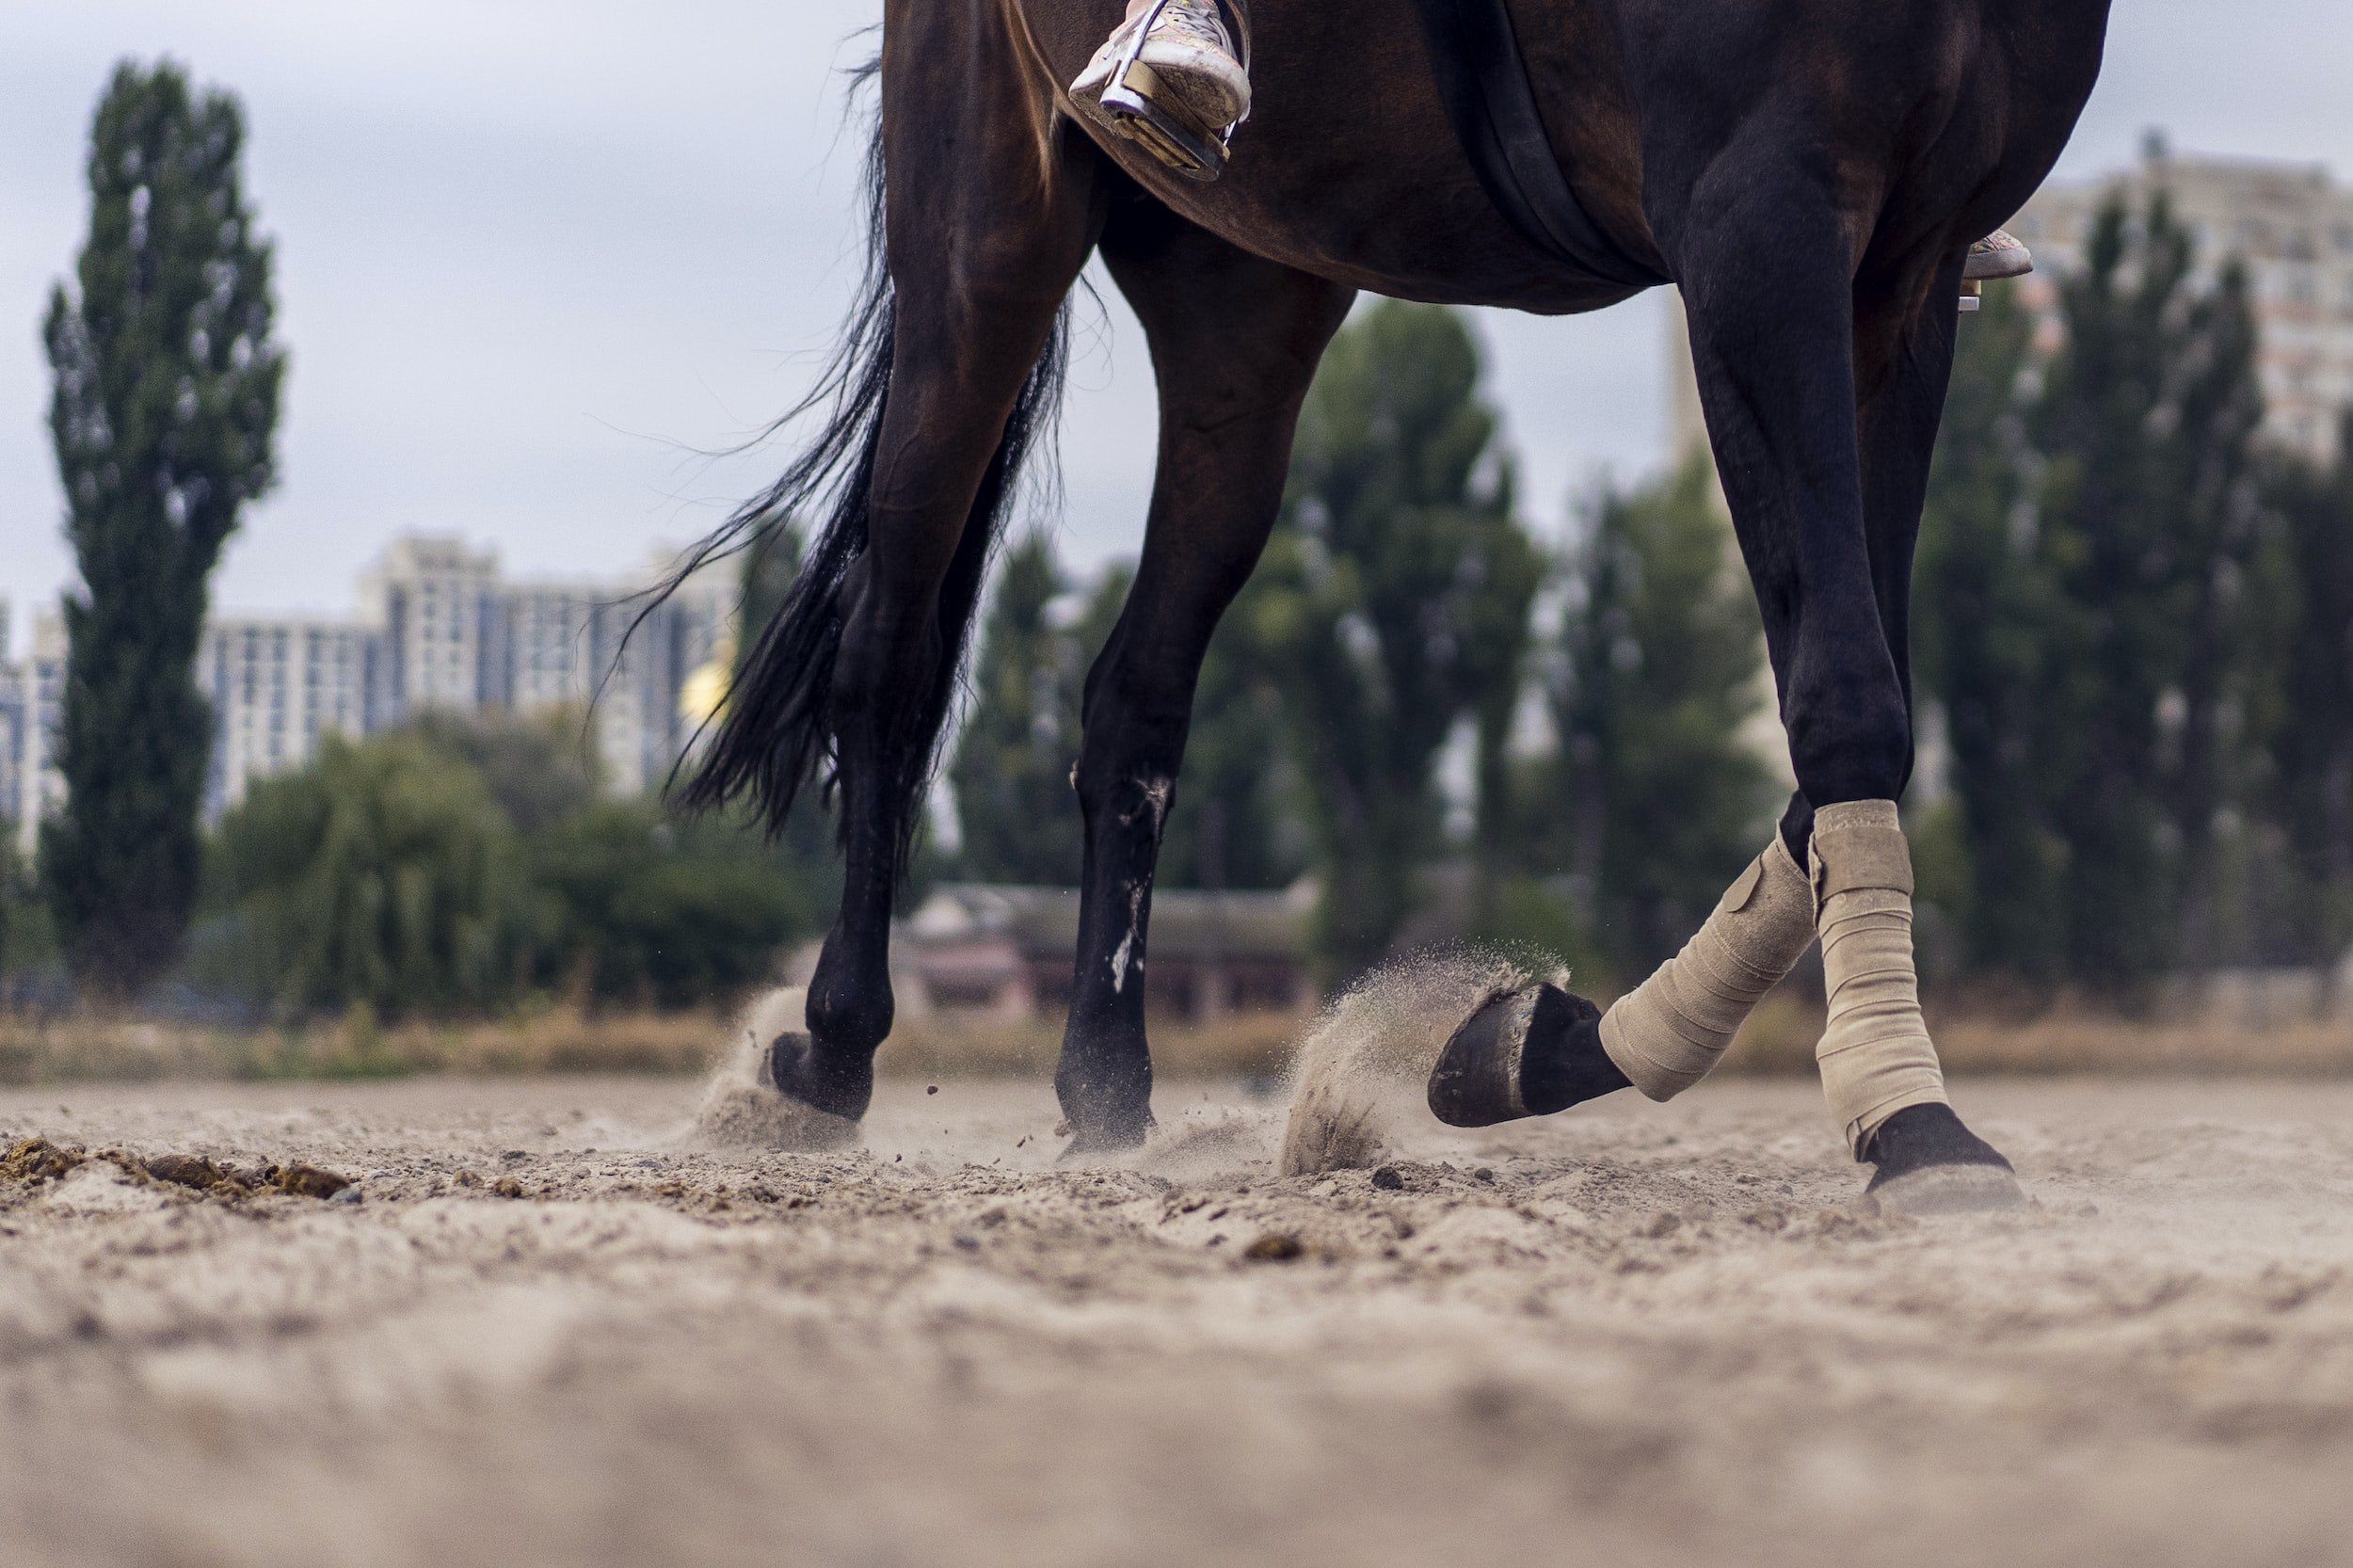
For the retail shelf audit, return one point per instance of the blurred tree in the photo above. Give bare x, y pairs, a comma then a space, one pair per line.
1983, 601
1658, 798
2091, 527
541, 768
649, 912
163, 414
26, 938
1394, 605
2147, 508
1014, 754
768, 569
384, 872
1237, 821
2310, 702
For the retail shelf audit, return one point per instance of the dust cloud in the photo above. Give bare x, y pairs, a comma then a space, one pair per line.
1361, 1070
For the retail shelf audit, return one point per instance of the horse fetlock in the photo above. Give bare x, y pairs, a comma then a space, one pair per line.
849, 1014
1668, 1033
1875, 1055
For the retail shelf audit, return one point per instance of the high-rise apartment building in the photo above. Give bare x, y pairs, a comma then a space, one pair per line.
438, 630
278, 686
32, 695
436, 604
2291, 227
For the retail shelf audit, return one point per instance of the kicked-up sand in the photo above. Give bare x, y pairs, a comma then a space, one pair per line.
553, 1326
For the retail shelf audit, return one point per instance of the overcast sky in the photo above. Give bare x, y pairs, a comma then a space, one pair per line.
534, 257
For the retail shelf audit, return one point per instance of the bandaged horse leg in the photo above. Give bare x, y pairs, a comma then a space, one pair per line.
1539, 1049
1822, 397
1671, 1031
1880, 1071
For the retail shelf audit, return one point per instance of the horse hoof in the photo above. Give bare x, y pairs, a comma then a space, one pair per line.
1929, 1163
1096, 1139
1945, 1189
830, 1105
1528, 1052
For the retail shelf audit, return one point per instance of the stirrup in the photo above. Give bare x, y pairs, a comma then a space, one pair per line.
1195, 154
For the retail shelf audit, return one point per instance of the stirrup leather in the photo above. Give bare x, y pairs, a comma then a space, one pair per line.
1197, 152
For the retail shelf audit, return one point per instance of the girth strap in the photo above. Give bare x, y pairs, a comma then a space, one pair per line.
1483, 78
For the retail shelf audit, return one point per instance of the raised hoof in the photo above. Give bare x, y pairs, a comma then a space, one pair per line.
1929, 1163
1482, 1077
831, 1105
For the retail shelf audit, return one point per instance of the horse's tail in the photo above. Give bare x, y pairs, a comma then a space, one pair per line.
772, 736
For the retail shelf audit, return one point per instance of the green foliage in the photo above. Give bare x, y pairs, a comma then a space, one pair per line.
1232, 826
1983, 603
770, 565
28, 937
384, 873
650, 912
163, 415
540, 769
444, 869
1019, 813
1655, 801
2085, 619
1394, 604
1237, 821
2304, 707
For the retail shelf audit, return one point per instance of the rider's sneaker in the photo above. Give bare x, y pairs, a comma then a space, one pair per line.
1998, 255
1193, 69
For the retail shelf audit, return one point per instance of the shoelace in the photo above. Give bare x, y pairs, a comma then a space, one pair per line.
1197, 22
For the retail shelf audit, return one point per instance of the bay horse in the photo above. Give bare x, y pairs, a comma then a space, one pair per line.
1808, 172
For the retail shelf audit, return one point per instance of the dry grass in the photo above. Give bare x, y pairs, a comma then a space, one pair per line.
84, 1047
1244, 1044
1778, 1040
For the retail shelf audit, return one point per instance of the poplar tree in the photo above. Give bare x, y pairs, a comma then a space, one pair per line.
163, 415
1395, 607
2092, 521
1660, 652
1019, 813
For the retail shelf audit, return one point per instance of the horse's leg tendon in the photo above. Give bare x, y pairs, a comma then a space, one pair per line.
1235, 340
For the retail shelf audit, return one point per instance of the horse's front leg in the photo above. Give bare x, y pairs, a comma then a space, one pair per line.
1235, 342
1826, 471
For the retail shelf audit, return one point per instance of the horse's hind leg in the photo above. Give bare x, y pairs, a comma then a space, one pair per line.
984, 237
1235, 342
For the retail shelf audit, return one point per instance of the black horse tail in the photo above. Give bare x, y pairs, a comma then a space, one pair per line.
772, 736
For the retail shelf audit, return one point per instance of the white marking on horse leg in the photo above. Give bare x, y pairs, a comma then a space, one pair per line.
1137, 891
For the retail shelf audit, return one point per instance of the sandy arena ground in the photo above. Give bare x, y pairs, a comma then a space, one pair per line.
549, 1332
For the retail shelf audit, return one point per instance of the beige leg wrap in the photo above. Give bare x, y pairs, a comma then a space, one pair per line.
1875, 1054
1668, 1031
